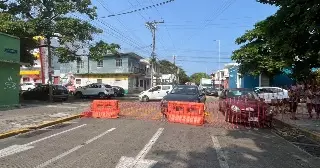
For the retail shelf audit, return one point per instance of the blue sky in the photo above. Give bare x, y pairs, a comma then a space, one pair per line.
189, 30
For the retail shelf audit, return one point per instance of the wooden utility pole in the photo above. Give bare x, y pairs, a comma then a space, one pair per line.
152, 26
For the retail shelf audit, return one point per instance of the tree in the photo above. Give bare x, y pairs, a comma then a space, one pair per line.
255, 55
289, 39
166, 67
196, 77
294, 34
51, 18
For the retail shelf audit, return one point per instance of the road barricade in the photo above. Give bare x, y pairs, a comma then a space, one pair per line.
185, 113
103, 109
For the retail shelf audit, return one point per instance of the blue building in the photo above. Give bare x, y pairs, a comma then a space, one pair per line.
236, 80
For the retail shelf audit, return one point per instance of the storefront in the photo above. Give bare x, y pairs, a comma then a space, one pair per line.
9, 70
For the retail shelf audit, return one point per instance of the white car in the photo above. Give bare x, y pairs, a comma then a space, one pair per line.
271, 93
155, 93
27, 86
95, 90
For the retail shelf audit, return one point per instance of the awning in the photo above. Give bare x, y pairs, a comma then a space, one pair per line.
30, 72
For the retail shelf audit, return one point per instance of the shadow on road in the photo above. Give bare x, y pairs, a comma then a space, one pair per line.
245, 149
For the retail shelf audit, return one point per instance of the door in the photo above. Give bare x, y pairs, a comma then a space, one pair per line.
164, 90
155, 93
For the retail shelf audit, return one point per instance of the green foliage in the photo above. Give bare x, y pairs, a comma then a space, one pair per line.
50, 18
288, 39
166, 67
196, 77
101, 49
255, 56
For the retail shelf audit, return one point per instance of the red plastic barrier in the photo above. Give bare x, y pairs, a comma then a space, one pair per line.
185, 112
105, 109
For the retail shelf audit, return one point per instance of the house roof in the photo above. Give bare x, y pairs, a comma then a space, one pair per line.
131, 54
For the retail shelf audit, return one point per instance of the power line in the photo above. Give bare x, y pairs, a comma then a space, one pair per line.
123, 25
169, 35
218, 12
142, 9
118, 36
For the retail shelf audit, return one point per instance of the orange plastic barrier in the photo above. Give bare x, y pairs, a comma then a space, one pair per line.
105, 109
185, 112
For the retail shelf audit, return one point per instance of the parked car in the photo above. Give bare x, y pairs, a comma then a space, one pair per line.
270, 94
95, 90
186, 93
118, 91
244, 105
42, 93
27, 86
212, 91
155, 93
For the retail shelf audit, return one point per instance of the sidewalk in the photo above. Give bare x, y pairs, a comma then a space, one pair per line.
308, 126
38, 113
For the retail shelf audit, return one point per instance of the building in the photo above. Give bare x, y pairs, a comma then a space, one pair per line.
9, 70
167, 79
127, 70
38, 72
236, 80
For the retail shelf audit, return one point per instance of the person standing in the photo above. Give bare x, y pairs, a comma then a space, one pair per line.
316, 100
310, 99
294, 97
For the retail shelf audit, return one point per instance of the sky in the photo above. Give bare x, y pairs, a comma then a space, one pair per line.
191, 28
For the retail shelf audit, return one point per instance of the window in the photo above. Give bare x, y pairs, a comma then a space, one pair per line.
118, 62
80, 64
78, 81
99, 80
165, 87
100, 64
107, 86
141, 83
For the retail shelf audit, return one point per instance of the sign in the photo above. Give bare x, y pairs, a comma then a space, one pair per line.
31, 72
10, 51
9, 48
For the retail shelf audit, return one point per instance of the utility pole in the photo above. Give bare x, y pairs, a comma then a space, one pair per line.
50, 68
152, 26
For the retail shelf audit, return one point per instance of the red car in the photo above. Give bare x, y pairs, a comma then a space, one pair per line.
244, 105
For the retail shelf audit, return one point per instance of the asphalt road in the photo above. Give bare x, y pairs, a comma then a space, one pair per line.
144, 144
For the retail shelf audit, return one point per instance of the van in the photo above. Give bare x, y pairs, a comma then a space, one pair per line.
155, 93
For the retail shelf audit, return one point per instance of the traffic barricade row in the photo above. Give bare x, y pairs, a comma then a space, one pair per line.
217, 111
177, 112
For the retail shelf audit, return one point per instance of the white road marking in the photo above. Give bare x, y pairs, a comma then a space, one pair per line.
73, 149
139, 161
221, 156
20, 148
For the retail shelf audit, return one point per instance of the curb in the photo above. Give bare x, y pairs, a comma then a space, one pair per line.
307, 133
43, 125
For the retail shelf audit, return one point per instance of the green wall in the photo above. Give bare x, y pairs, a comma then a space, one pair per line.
9, 70
9, 84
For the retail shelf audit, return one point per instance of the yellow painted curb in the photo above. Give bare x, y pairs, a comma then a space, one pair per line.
13, 133
43, 125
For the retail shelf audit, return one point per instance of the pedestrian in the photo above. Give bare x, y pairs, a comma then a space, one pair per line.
317, 101
309, 95
293, 100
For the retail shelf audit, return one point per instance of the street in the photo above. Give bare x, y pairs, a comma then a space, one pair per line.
138, 143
